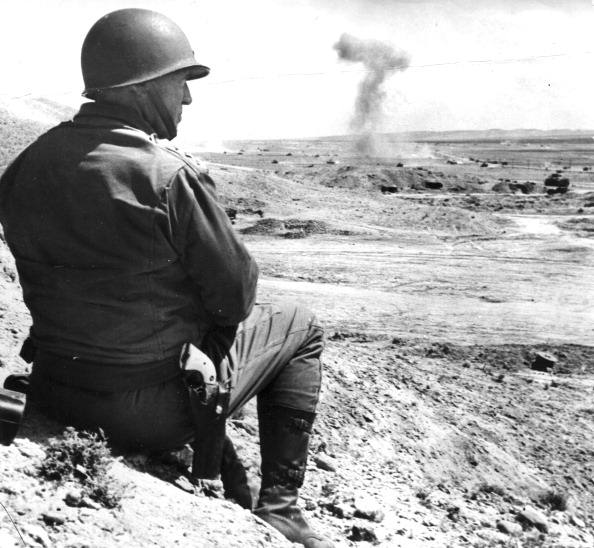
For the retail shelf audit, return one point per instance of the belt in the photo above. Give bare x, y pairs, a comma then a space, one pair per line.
104, 377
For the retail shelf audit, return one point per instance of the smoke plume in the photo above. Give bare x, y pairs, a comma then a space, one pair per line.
380, 60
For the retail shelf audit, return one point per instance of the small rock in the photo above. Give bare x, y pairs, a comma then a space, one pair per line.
184, 484
325, 462
341, 510
509, 527
88, 502
487, 522
364, 533
310, 505
73, 498
329, 489
535, 518
456, 510
11, 488
368, 508
210, 488
574, 520
53, 518
430, 522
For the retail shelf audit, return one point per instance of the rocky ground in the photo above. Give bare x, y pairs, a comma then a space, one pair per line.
434, 429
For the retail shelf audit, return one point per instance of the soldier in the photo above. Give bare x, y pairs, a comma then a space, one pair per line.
126, 261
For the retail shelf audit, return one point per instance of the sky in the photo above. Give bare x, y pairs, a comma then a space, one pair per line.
275, 73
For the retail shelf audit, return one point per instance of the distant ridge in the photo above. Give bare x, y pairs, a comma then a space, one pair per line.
23, 120
497, 135
473, 135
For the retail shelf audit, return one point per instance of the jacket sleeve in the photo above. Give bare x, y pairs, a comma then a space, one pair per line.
223, 270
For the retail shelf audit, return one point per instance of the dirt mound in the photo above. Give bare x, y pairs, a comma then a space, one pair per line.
266, 227
513, 187
246, 189
439, 217
350, 177
288, 228
400, 179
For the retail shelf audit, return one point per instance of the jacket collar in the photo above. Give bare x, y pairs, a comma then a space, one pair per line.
128, 117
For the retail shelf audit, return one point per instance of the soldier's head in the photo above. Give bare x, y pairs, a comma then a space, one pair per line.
141, 59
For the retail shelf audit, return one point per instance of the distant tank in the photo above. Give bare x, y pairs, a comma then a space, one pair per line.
556, 184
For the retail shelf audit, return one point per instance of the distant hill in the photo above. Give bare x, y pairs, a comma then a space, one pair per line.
23, 120
496, 135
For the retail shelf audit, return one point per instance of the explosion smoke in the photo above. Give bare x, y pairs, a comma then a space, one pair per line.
380, 60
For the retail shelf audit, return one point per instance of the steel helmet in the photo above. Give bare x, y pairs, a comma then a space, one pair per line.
131, 46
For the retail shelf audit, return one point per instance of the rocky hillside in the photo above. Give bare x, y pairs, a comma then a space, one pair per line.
23, 120
427, 435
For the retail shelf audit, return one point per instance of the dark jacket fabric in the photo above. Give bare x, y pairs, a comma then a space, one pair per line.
122, 251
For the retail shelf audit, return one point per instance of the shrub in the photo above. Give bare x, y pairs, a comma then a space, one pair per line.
84, 457
555, 500
491, 488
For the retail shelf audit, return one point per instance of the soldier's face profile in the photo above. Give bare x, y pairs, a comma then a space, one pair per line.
175, 93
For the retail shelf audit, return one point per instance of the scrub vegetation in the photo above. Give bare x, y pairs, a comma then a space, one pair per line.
85, 458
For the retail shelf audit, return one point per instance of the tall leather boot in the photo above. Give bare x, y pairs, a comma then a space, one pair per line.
284, 442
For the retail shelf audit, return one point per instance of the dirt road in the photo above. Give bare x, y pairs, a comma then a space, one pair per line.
531, 286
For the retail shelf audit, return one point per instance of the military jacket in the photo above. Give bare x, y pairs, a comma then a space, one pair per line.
122, 251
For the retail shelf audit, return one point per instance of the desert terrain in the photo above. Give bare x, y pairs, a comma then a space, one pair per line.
443, 272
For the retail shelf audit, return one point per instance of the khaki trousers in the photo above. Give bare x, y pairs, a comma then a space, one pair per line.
276, 356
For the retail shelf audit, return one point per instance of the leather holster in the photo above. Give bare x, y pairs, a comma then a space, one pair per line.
209, 403
12, 408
